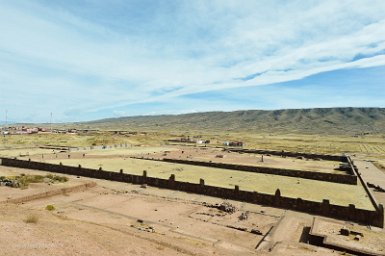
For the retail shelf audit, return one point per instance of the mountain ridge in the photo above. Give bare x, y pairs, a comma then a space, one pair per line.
348, 120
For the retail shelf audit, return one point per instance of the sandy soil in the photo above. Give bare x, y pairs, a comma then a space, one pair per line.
123, 219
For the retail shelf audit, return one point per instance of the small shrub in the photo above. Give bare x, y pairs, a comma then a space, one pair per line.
57, 178
50, 207
60, 178
49, 176
31, 219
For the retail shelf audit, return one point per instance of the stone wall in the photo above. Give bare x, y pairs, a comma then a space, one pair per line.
50, 193
329, 177
336, 158
379, 207
351, 213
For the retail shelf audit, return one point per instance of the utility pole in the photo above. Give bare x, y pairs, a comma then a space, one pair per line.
5, 129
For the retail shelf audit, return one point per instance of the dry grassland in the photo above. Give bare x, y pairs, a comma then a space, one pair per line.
264, 183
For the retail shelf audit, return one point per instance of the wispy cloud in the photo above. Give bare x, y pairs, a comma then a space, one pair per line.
87, 59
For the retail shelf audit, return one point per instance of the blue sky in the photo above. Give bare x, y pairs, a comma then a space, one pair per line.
85, 60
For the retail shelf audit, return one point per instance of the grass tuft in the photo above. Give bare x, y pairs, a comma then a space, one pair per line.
50, 207
31, 219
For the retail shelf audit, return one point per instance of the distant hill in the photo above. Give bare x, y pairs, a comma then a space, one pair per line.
349, 121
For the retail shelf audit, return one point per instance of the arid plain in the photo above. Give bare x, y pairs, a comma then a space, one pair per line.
108, 217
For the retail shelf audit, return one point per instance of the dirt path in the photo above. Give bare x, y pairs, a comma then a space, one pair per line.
370, 173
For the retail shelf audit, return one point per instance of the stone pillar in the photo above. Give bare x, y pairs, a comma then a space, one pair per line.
172, 181
202, 182
381, 209
277, 197
277, 193
352, 212
325, 207
379, 222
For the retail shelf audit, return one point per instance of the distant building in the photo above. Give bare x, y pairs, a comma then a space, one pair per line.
233, 143
203, 142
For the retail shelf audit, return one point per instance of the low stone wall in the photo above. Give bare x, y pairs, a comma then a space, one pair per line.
323, 240
50, 193
351, 213
336, 158
379, 207
329, 177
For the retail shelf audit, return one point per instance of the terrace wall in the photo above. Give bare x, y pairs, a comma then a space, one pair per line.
375, 218
336, 158
329, 177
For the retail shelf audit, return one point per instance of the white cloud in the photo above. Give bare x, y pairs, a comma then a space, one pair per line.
58, 59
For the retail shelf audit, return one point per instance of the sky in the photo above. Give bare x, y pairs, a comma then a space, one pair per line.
85, 60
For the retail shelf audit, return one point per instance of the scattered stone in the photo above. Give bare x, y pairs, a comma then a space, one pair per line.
244, 216
227, 207
376, 188
344, 167
256, 232
344, 232
237, 228
143, 186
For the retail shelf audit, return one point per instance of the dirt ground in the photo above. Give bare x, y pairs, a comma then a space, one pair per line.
370, 241
115, 218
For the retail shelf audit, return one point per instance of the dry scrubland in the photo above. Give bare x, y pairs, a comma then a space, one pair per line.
370, 147
106, 216
373, 145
